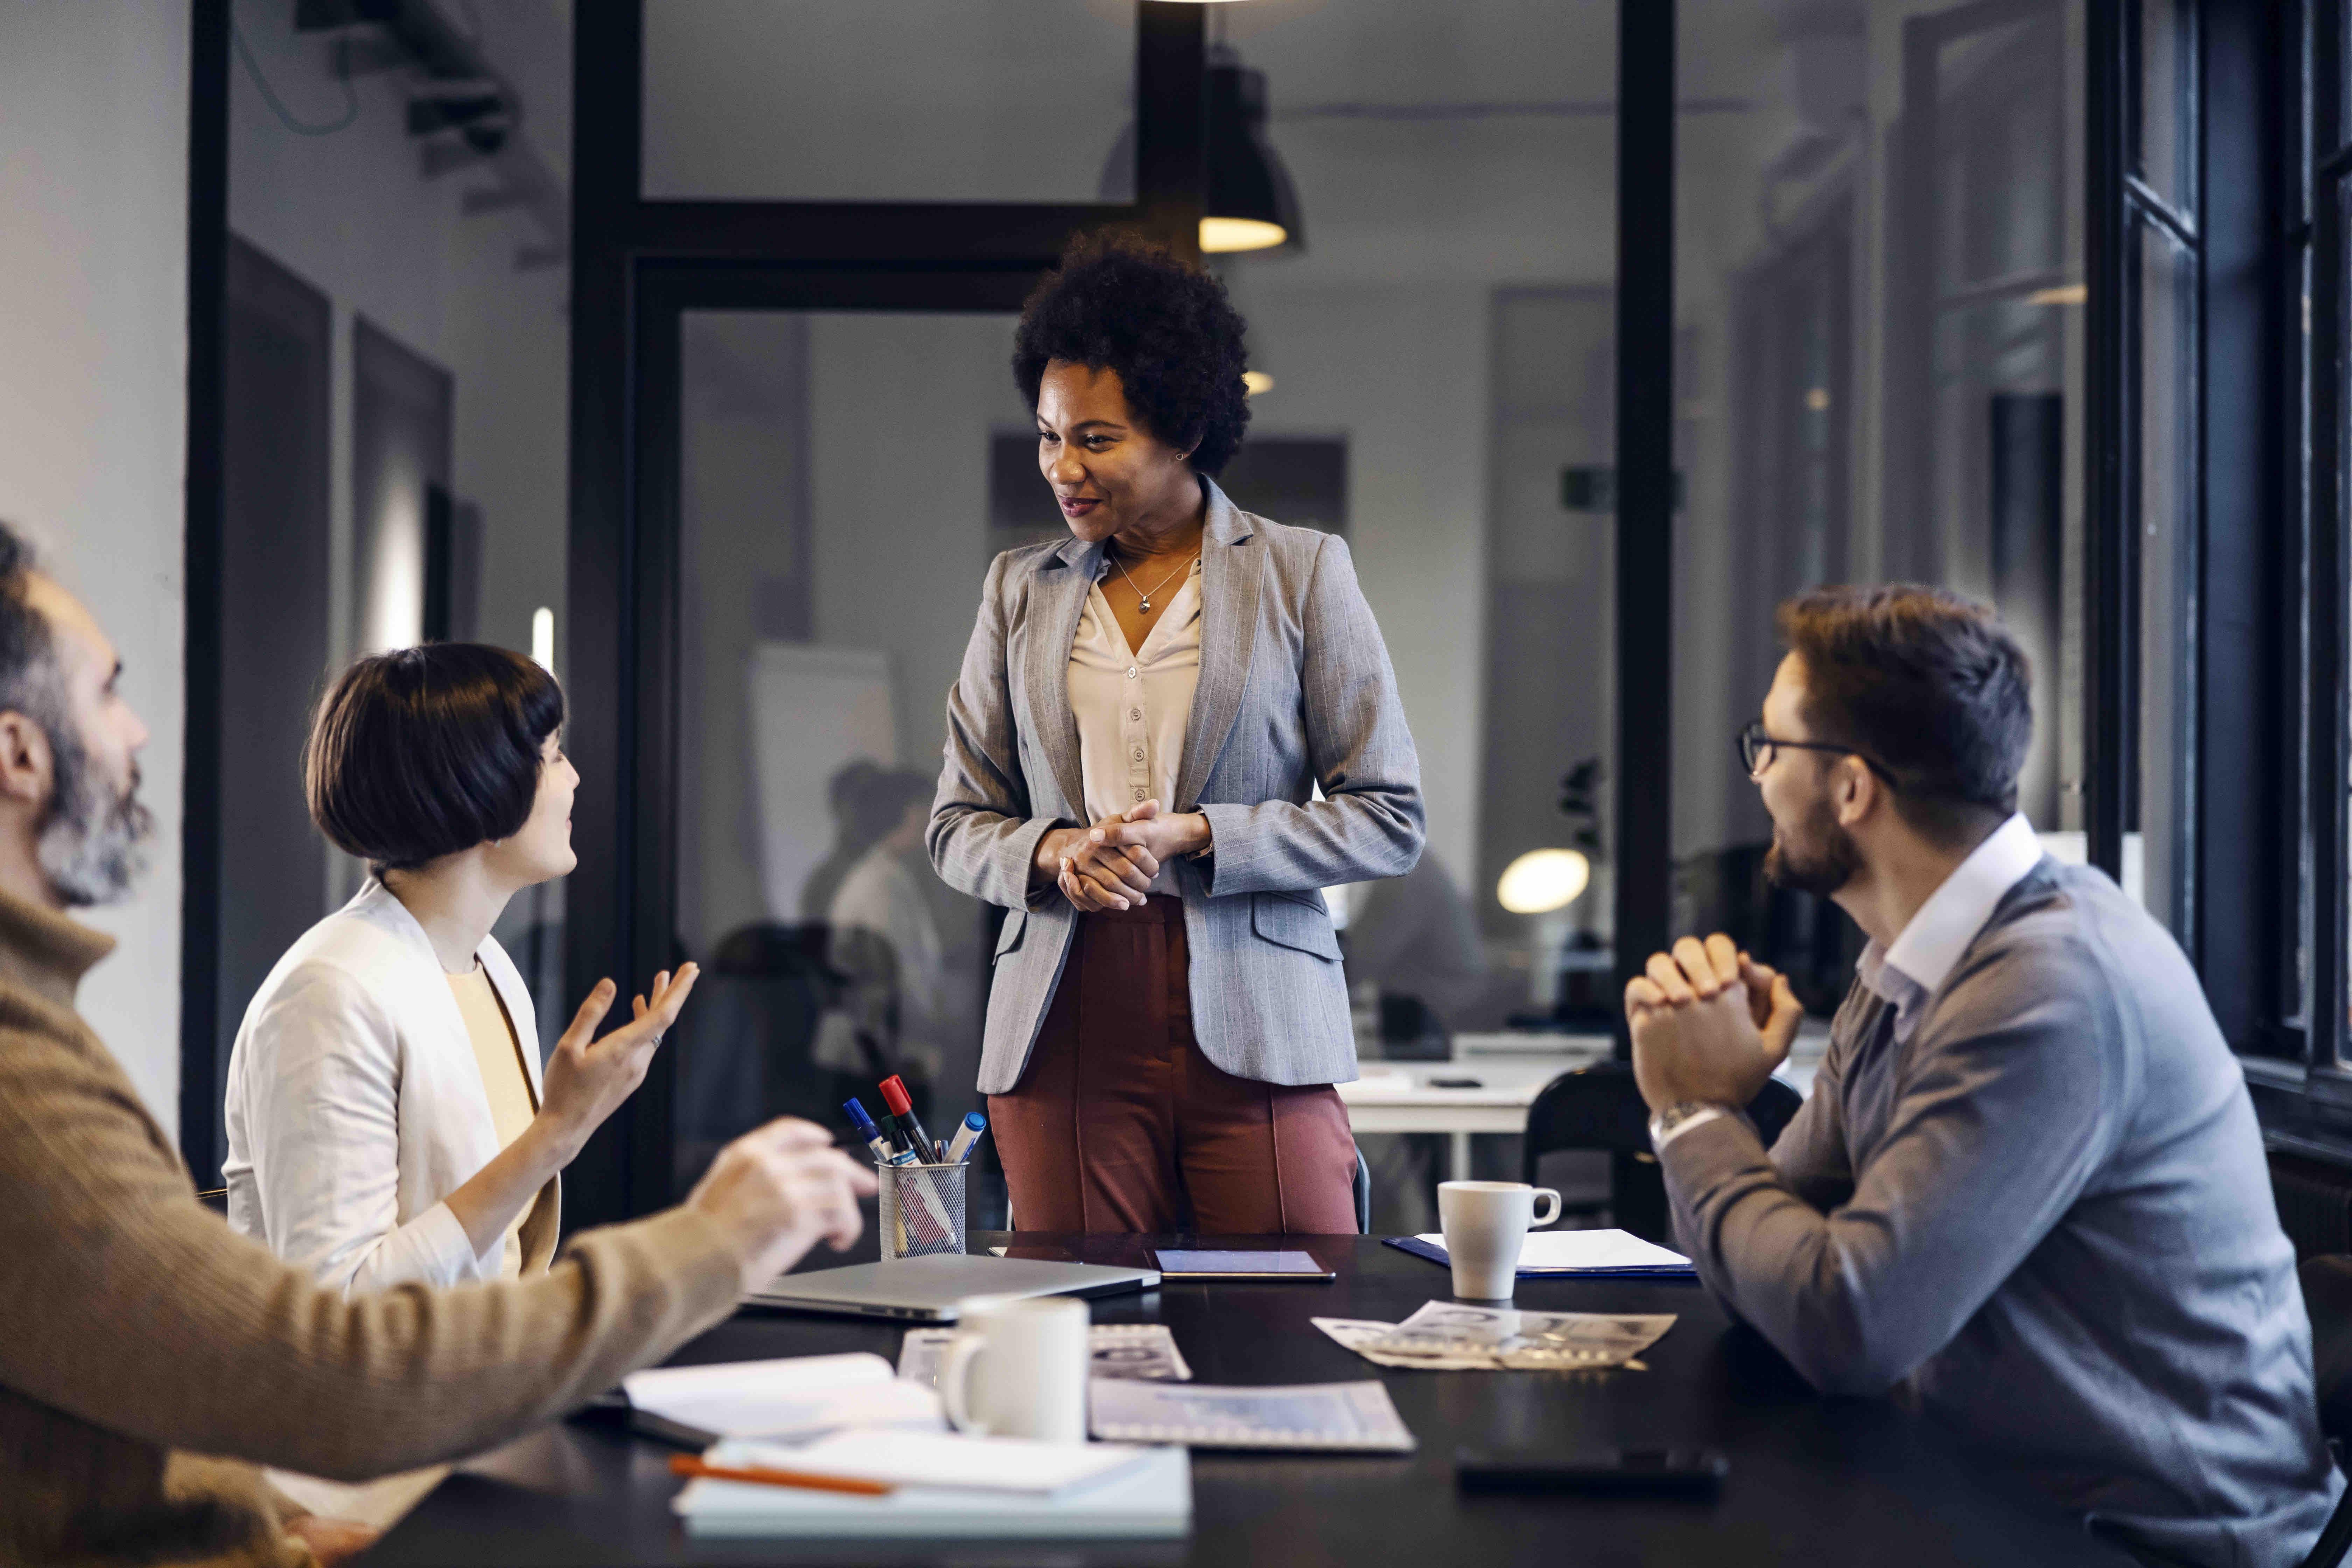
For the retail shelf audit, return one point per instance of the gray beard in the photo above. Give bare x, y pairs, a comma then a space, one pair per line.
89, 846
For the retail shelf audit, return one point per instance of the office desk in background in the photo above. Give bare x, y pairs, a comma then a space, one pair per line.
1509, 1070
1812, 1482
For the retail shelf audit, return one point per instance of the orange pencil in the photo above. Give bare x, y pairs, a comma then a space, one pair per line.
687, 1465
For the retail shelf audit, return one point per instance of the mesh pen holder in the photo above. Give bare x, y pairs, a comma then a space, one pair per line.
923, 1210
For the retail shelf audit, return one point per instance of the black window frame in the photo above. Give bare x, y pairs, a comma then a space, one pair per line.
2301, 1068
638, 266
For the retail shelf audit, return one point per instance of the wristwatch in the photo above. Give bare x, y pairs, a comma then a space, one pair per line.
1680, 1118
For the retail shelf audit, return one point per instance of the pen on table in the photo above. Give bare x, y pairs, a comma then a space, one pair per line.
883, 1153
894, 1095
687, 1465
967, 1138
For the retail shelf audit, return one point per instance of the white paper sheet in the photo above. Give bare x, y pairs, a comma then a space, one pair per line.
1141, 1351
1329, 1417
1587, 1251
964, 1463
792, 1396
1151, 1498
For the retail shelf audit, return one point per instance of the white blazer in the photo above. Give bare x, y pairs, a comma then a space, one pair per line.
355, 1105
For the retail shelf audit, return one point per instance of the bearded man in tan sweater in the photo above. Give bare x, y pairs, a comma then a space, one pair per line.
152, 1359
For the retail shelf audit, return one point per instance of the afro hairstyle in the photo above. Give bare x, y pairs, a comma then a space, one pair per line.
1161, 325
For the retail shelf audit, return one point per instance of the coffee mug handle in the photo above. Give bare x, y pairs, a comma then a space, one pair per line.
1544, 1219
955, 1383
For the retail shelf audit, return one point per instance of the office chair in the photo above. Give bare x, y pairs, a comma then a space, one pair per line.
1598, 1107
2328, 1296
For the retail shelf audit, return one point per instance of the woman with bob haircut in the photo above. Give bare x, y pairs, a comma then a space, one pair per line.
388, 1121
1145, 716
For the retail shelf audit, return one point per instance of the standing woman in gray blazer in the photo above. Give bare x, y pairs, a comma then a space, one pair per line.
1144, 714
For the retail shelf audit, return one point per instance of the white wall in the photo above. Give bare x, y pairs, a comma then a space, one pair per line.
1417, 495
1382, 329
93, 411
353, 214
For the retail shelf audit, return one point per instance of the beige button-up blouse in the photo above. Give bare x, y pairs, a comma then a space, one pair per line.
1132, 704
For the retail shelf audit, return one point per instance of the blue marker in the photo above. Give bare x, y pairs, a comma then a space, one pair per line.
864, 1123
966, 1137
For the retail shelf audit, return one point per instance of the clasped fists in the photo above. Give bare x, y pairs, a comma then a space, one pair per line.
1111, 865
1710, 1023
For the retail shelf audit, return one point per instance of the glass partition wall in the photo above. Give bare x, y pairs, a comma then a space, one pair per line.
1880, 379
835, 462
1900, 230
834, 489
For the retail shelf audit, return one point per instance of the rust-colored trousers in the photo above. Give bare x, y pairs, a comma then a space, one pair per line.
1119, 1124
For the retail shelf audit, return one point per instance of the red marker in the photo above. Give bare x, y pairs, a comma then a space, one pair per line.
894, 1095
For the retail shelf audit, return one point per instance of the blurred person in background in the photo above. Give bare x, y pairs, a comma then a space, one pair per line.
859, 821
907, 948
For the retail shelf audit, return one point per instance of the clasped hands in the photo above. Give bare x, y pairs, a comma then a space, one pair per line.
1111, 865
1710, 1023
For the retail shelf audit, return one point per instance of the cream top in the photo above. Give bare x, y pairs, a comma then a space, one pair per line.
1132, 704
504, 1082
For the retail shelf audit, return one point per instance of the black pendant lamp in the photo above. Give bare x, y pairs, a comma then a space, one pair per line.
1251, 204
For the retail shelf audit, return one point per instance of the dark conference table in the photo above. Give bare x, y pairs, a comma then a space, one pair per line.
1811, 1481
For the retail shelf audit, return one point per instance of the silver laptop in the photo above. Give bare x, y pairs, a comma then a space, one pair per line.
926, 1289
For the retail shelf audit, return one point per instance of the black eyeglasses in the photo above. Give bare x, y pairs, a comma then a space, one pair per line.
1756, 749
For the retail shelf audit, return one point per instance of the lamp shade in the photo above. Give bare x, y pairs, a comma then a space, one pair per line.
1250, 204
1542, 881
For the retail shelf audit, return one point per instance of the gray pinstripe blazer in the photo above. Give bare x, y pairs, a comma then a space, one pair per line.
1296, 690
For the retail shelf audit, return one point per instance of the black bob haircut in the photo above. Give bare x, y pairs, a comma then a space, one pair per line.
429, 751
1162, 326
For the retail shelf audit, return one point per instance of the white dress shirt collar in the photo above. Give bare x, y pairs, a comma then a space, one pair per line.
1928, 947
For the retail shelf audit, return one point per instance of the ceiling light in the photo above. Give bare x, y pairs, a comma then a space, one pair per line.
1256, 381
1240, 234
2065, 294
1543, 880
1250, 203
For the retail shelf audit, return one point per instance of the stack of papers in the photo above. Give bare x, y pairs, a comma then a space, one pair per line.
1613, 1253
973, 1488
1140, 1351
1321, 1417
1453, 1336
797, 1396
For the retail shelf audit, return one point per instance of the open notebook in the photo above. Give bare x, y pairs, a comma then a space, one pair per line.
795, 1396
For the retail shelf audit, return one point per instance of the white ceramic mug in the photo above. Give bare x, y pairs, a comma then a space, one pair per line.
1485, 1223
1017, 1368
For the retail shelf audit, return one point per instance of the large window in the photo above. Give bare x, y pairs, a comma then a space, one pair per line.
1879, 326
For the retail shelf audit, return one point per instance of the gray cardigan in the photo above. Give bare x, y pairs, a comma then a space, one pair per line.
2048, 1209
1295, 690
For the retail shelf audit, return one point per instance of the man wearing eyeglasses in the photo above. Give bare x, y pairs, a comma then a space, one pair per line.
2028, 1188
